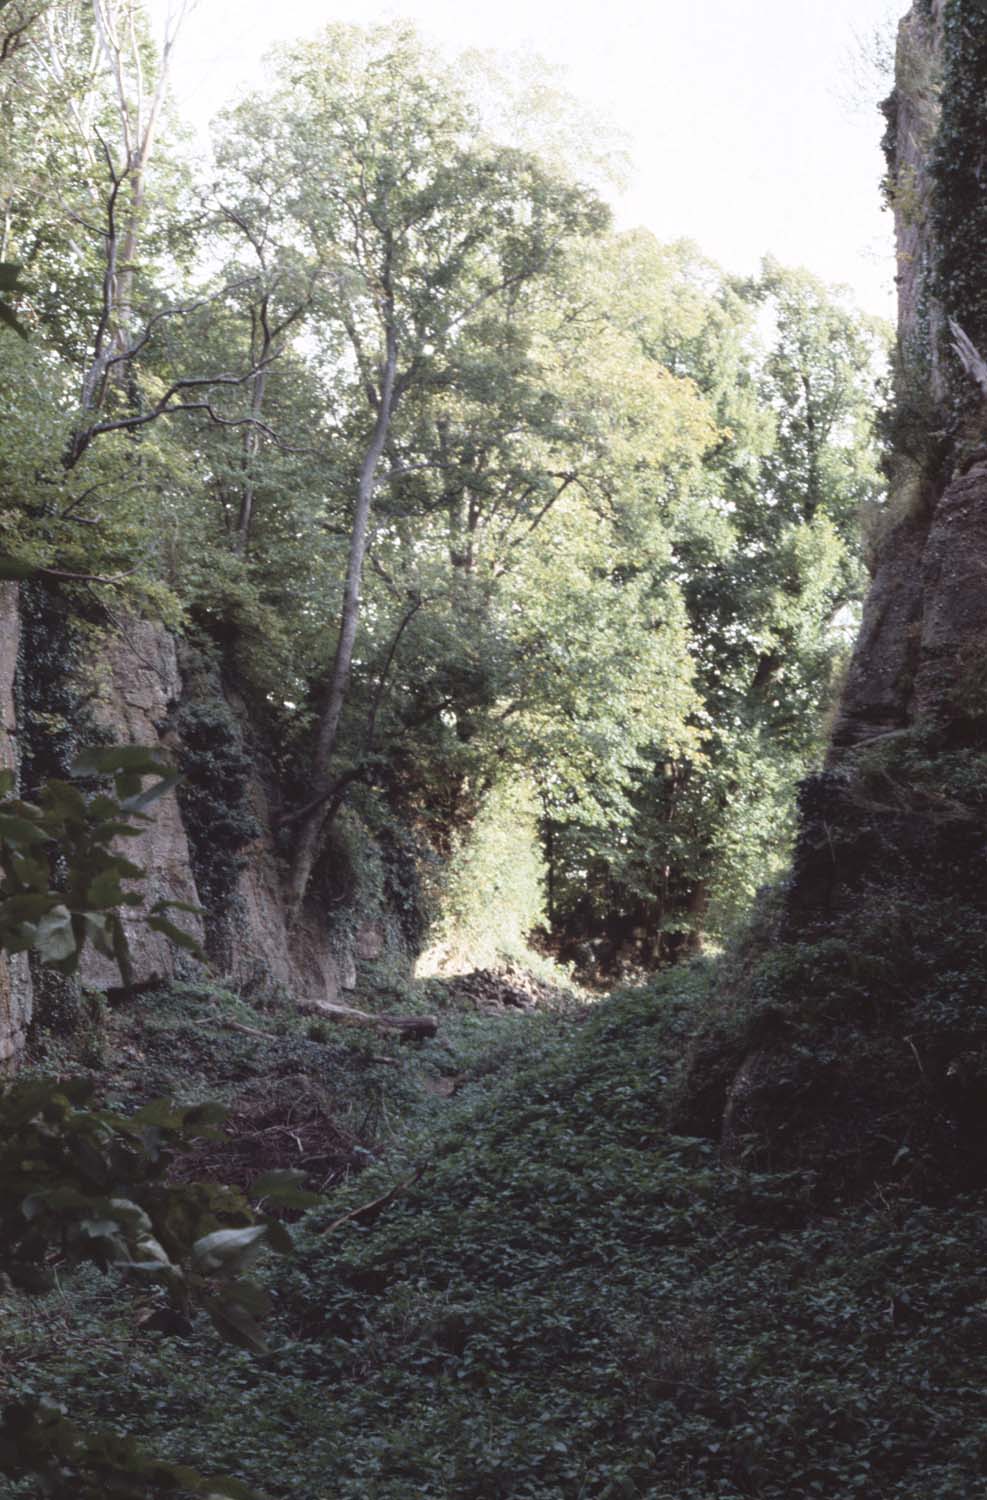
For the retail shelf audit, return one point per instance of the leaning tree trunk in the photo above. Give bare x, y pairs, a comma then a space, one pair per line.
313, 818
862, 1049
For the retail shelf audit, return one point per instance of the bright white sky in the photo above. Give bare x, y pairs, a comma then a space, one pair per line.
739, 127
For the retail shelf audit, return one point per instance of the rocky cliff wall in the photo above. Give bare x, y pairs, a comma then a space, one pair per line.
879, 691
135, 685
131, 691
15, 978
856, 1040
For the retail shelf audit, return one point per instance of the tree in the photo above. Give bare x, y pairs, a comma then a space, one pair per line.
764, 539
417, 225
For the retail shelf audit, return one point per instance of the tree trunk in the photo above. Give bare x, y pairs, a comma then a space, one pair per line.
250, 443
313, 825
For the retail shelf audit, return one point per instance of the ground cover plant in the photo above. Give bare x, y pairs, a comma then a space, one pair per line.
570, 1301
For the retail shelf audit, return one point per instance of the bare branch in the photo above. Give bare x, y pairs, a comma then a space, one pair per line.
174, 312
14, 39
417, 600
115, 580
969, 356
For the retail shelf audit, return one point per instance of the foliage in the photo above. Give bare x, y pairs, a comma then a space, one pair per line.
957, 209
571, 1300
214, 797
85, 1181
493, 892
765, 553
82, 831
857, 1006
39, 1438
611, 521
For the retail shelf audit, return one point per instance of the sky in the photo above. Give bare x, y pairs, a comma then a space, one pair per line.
749, 125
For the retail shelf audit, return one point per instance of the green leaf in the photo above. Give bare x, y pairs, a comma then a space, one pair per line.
175, 935
107, 760
99, 934
279, 1238
105, 890
228, 1249
236, 1324
286, 1188
55, 938
251, 1295
64, 800
145, 799
27, 907
158, 1112
18, 831
204, 1115
165, 905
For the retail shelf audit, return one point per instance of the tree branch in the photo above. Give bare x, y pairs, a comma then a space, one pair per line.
416, 603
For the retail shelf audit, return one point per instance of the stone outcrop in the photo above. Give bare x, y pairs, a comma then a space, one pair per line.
305, 962
496, 991
876, 958
15, 978
950, 682
879, 694
138, 681
131, 688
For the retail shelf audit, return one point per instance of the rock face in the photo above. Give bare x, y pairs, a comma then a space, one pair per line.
879, 692
303, 962
15, 978
132, 691
138, 683
876, 961
950, 679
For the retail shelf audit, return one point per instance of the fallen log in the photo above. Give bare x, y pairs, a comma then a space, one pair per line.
267, 1036
368, 1212
271, 1036
407, 1028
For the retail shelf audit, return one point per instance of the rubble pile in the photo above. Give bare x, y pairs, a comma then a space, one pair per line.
494, 991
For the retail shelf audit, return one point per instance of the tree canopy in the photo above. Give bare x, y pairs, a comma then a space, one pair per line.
464, 487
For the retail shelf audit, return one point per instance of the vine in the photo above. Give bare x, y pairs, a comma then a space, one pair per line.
958, 203
214, 799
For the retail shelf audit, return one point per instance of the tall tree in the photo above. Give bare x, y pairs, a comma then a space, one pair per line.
418, 226
766, 551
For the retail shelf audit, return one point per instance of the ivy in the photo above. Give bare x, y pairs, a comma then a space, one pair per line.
214, 798
958, 201
90, 1183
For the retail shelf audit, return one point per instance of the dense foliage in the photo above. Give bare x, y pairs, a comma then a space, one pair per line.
458, 488
572, 1301
83, 1183
513, 561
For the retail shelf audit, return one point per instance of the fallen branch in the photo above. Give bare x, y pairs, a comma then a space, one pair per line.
368, 1212
969, 356
267, 1036
408, 1028
271, 1036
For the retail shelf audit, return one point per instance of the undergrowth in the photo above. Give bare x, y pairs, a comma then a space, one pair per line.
568, 1302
